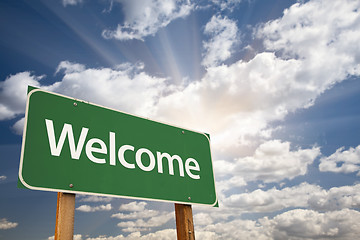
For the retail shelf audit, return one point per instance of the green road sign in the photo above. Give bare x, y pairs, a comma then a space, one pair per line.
78, 147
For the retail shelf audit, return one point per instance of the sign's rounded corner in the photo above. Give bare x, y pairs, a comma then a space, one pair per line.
22, 180
207, 136
215, 203
34, 90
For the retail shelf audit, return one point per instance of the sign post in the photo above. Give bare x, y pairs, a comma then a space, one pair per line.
65, 210
184, 222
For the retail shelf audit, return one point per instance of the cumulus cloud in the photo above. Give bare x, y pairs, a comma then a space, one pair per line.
127, 86
145, 225
202, 219
335, 198
2, 178
69, 67
71, 2
130, 90
231, 183
5, 224
223, 34
302, 196
87, 208
13, 93
291, 225
237, 102
342, 161
18, 127
272, 161
309, 224
273, 199
146, 213
140, 218
133, 206
144, 18
317, 33
236, 229
294, 225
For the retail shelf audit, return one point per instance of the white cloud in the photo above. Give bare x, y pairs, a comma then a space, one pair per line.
309, 224
2, 178
13, 93
273, 199
144, 18
272, 161
5, 224
91, 198
227, 4
202, 219
166, 234
142, 219
224, 36
156, 221
322, 35
69, 67
302, 196
71, 2
231, 183
133, 206
235, 229
292, 225
87, 208
236, 103
146, 213
335, 198
18, 127
342, 161
130, 90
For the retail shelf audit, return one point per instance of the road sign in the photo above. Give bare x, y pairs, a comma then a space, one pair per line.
77, 147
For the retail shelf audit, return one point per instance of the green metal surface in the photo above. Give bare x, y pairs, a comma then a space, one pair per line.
40, 170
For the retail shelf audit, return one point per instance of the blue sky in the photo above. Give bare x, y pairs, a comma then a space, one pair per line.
275, 83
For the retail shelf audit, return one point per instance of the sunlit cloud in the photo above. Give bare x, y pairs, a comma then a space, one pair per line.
144, 18
224, 36
88, 208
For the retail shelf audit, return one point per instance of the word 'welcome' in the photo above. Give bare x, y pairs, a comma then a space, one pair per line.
96, 145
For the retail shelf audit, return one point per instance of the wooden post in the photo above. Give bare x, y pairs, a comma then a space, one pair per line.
184, 222
65, 211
